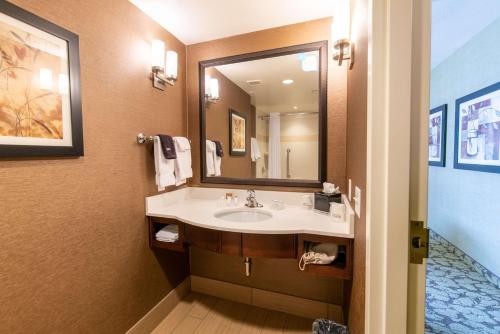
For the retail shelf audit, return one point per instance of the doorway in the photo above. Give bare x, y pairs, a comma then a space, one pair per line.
462, 281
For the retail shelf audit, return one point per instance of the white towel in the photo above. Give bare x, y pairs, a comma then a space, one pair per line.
164, 167
182, 164
210, 157
217, 165
254, 149
169, 233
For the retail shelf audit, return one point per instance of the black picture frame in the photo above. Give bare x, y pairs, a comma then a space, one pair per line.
443, 109
232, 150
458, 128
322, 48
72, 40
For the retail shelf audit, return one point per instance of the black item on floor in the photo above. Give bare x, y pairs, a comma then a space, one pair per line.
324, 326
168, 147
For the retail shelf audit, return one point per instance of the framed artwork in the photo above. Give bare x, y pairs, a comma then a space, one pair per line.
237, 132
40, 103
477, 130
437, 136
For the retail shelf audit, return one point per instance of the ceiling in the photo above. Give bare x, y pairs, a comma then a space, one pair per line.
195, 21
271, 95
454, 22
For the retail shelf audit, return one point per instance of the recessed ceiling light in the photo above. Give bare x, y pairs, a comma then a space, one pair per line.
295, 107
287, 82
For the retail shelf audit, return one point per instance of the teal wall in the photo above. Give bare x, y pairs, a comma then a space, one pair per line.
464, 206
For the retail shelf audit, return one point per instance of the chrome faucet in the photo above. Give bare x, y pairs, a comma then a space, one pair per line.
251, 200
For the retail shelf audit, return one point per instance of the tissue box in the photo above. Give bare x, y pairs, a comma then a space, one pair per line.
322, 201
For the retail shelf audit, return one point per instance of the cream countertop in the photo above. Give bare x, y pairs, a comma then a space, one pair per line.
197, 206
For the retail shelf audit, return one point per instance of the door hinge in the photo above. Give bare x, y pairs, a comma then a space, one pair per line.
419, 242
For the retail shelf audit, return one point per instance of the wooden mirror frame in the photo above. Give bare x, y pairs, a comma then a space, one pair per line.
322, 47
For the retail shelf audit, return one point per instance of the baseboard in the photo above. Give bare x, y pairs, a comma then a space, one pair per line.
153, 318
302, 307
489, 275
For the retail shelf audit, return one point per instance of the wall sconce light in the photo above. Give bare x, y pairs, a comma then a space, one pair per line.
211, 89
163, 65
343, 48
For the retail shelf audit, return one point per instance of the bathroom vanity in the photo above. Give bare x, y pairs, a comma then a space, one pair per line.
205, 221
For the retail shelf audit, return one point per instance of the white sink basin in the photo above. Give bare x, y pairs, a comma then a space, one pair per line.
243, 215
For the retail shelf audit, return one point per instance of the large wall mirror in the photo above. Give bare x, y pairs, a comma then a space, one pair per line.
263, 117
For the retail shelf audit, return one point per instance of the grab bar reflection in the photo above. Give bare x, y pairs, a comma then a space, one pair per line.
288, 175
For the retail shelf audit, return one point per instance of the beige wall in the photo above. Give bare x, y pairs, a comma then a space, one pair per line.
300, 33
356, 155
74, 255
300, 135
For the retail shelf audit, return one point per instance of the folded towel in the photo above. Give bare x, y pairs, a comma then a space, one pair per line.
169, 233
254, 149
168, 146
166, 240
210, 157
164, 167
218, 148
182, 164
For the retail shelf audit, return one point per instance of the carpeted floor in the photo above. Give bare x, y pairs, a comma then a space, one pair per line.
459, 299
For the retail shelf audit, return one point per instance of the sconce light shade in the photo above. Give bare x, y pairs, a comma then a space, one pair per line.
63, 84
171, 65
211, 89
45, 79
158, 54
163, 67
214, 89
341, 33
341, 21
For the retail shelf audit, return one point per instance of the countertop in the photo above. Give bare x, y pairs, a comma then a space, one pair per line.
197, 206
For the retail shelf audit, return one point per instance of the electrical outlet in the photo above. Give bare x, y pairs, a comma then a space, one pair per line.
357, 201
349, 193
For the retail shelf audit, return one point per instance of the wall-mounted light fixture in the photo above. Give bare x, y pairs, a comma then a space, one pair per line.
211, 89
163, 65
343, 47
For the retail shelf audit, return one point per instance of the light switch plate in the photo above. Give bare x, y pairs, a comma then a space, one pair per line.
357, 201
349, 193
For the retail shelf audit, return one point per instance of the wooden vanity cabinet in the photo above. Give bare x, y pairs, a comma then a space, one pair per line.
281, 246
278, 246
230, 243
202, 238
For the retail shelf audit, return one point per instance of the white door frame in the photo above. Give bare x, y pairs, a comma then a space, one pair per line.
390, 92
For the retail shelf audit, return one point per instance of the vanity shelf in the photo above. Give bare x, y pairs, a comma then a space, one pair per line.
341, 267
156, 224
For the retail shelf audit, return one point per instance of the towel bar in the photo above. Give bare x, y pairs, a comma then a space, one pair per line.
142, 138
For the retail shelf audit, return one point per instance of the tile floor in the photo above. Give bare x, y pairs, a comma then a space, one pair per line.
459, 299
204, 314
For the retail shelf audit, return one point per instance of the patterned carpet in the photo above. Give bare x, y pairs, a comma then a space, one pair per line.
459, 299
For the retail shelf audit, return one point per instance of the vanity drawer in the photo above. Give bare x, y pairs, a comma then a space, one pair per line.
269, 245
202, 238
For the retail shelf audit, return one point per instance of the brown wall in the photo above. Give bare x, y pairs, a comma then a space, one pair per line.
74, 255
217, 124
295, 34
356, 155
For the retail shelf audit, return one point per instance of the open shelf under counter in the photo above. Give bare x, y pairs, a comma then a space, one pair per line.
156, 224
341, 267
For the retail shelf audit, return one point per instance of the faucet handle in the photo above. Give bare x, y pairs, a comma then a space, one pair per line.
251, 192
